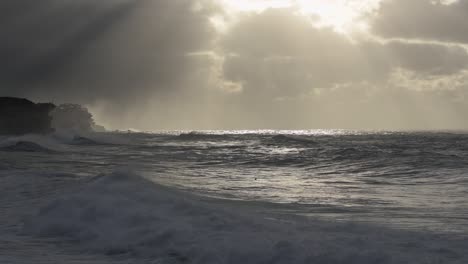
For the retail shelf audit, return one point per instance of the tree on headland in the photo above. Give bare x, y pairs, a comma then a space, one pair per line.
72, 118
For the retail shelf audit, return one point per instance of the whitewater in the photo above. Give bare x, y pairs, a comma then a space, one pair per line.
312, 196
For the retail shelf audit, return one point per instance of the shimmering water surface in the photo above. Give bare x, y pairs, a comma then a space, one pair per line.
415, 180
320, 196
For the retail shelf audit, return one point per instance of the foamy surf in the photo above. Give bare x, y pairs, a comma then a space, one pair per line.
234, 197
125, 216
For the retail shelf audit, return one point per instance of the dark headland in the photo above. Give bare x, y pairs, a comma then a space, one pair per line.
21, 116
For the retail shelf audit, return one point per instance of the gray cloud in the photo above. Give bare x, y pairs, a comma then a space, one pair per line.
86, 50
282, 54
431, 59
41, 37
422, 19
298, 76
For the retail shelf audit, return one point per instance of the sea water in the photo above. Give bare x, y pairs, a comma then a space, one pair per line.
315, 196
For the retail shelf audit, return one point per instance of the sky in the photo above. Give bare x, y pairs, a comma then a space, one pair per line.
238, 64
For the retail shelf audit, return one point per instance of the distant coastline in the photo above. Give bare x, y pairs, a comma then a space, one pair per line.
19, 116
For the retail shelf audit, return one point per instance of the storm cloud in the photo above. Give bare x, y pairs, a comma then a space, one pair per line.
91, 50
183, 64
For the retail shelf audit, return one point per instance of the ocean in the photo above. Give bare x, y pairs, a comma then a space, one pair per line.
309, 196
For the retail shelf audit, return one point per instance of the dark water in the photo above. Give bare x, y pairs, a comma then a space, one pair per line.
414, 179
405, 181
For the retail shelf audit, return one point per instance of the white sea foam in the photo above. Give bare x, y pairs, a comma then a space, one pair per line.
41, 141
126, 215
60, 141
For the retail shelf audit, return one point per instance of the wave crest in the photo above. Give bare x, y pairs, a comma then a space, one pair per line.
290, 139
200, 136
125, 214
26, 146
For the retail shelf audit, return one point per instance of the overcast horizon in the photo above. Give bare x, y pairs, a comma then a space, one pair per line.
227, 64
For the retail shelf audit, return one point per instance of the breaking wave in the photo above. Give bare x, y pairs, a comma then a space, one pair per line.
25, 146
125, 215
194, 135
30, 143
78, 140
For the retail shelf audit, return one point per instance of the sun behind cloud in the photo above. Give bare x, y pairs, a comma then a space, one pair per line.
344, 16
